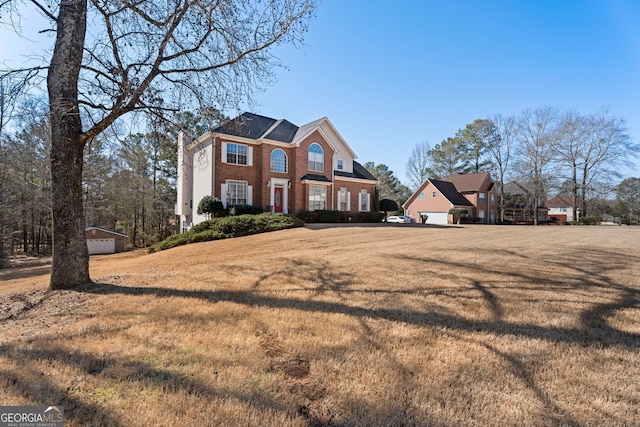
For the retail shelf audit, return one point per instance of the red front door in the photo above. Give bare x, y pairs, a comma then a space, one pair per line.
278, 193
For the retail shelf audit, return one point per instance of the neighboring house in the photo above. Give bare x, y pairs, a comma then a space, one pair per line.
519, 204
561, 207
434, 198
260, 161
104, 241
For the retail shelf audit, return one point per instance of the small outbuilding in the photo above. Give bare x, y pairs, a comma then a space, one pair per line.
104, 241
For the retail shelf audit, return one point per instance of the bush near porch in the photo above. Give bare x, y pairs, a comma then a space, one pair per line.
230, 226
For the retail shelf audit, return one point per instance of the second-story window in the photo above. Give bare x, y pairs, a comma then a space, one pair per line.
340, 165
278, 161
316, 158
482, 197
236, 154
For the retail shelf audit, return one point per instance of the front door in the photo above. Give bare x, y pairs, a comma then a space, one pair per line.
278, 196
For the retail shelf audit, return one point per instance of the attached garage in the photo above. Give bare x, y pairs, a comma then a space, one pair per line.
439, 218
104, 241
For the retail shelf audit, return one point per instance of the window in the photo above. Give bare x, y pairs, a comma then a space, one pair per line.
343, 199
236, 193
316, 158
340, 165
278, 161
236, 154
482, 197
317, 197
493, 200
481, 214
421, 196
433, 195
410, 213
364, 201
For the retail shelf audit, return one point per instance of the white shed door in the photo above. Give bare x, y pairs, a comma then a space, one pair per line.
101, 246
437, 218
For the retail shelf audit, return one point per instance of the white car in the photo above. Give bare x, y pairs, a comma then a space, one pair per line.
398, 219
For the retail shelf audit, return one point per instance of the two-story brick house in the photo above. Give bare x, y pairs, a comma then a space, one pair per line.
260, 161
434, 199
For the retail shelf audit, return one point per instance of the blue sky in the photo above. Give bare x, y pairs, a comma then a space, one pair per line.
393, 74
390, 75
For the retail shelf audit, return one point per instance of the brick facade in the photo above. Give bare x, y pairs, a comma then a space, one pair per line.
204, 170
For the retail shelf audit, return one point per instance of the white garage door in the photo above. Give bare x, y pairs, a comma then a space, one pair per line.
437, 218
101, 246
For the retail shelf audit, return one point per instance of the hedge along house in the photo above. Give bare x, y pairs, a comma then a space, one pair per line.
260, 161
104, 241
475, 193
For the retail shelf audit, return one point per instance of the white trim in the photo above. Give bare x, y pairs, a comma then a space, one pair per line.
368, 202
359, 180
285, 194
223, 194
235, 139
286, 160
312, 182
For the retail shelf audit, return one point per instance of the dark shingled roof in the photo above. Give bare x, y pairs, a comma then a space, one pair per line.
313, 177
247, 125
284, 132
362, 172
470, 182
449, 191
359, 172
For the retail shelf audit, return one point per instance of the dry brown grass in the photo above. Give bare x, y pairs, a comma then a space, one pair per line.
340, 326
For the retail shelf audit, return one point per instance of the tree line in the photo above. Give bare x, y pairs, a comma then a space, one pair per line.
128, 183
549, 150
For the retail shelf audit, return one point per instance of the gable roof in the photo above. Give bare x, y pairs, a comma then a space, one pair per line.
468, 182
448, 190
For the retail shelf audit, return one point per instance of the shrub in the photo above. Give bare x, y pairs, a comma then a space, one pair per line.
590, 220
210, 205
367, 217
328, 216
230, 226
308, 216
237, 210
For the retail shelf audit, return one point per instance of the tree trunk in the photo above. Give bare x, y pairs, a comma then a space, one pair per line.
70, 254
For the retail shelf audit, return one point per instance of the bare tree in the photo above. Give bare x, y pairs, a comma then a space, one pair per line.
418, 165
570, 145
535, 132
500, 149
607, 148
145, 55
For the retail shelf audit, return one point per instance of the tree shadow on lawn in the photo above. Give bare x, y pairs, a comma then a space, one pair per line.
586, 272
594, 330
35, 386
